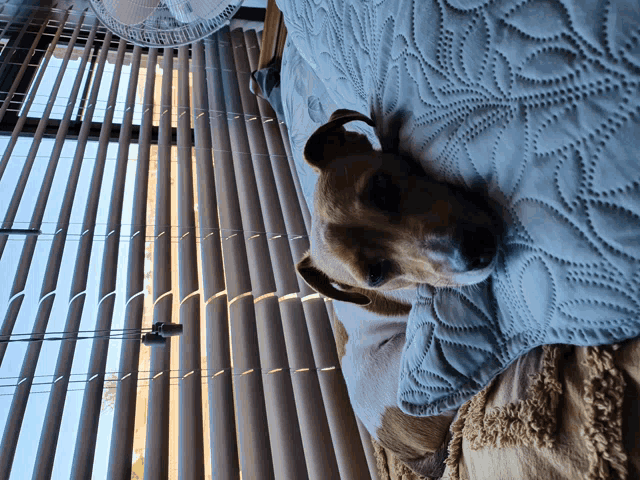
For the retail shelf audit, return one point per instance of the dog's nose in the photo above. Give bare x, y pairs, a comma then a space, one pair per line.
447, 255
472, 250
479, 248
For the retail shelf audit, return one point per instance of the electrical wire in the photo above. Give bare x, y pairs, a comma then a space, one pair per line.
80, 331
121, 334
70, 337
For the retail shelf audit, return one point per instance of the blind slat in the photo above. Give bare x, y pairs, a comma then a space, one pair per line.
224, 447
156, 463
119, 463
191, 456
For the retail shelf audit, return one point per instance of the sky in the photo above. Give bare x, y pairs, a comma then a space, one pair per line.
10, 368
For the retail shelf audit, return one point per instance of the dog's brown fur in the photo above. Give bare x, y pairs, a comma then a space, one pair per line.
421, 443
381, 223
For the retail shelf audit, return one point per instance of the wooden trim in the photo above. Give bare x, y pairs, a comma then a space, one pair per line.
274, 36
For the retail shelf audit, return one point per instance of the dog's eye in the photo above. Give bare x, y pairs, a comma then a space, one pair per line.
378, 272
382, 193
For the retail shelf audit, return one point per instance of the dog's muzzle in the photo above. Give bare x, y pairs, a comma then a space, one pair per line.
474, 250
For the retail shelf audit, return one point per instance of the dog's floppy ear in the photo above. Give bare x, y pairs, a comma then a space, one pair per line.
320, 282
332, 140
345, 115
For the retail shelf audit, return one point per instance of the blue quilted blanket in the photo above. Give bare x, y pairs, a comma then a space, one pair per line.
538, 103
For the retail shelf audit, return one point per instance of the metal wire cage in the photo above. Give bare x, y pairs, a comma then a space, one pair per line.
163, 23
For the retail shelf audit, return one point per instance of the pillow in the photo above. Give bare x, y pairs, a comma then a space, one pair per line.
307, 105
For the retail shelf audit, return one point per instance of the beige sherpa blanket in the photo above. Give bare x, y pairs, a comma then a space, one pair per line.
559, 412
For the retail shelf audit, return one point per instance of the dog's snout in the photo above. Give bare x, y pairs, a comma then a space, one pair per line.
472, 250
446, 255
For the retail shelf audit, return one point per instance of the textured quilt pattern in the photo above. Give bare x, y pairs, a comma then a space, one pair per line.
307, 106
536, 102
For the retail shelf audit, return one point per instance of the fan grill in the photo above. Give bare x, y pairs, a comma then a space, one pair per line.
170, 23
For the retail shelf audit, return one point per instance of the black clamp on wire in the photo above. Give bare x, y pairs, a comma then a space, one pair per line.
159, 332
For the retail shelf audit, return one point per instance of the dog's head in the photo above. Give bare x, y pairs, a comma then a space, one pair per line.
380, 222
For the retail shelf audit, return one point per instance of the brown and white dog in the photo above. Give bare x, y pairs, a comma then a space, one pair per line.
381, 226
381, 223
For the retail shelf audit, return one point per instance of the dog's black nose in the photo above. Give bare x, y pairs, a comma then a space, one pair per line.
479, 248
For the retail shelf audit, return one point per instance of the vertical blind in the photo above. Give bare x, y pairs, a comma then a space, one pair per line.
140, 186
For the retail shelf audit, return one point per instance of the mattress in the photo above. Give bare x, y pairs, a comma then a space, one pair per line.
536, 103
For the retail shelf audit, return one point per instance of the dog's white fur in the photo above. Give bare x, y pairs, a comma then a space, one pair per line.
371, 364
371, 368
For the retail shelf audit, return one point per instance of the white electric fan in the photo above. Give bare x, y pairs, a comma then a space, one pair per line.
164, 23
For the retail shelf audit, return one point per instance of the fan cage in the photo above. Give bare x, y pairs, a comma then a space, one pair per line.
161, 28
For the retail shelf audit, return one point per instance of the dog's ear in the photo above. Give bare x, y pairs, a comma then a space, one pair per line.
320, 282
332, 140
345, 115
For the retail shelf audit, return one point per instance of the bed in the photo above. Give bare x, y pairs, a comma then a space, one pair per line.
536, 103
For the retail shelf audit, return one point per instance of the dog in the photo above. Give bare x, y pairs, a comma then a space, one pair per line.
381, 226
381, 223
369, 345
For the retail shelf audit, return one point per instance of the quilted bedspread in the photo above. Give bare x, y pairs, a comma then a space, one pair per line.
538, 103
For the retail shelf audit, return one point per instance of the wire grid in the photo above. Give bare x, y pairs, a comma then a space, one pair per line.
172, 23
